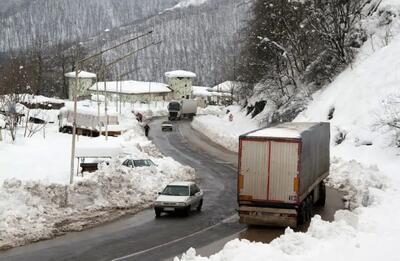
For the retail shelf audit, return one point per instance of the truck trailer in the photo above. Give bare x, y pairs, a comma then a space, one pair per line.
281, 173
182, 109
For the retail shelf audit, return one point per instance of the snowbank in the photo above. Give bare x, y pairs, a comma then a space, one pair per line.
218, 128
365, 233
33, 210
37, 202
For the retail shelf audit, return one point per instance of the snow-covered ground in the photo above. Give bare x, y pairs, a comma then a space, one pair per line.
215, 124
365, 164
37, 202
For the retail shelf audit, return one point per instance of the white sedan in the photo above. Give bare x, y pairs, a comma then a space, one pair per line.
179, 197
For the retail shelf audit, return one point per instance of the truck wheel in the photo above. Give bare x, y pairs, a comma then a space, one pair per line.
322, 194
199, 206
301, 214
158, 212
309, 208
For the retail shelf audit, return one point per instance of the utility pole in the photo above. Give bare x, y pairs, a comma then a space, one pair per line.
78, 65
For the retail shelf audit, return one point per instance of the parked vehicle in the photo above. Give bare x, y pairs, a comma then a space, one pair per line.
182, 109
88, 123
136, 163
281, 173
166, 126
179, 197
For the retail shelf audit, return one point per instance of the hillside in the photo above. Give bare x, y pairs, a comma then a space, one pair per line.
196, 35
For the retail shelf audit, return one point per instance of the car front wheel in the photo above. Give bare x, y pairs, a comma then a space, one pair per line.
199, 206
158, 212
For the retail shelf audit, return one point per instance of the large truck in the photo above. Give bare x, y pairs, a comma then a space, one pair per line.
281, 173
182, 109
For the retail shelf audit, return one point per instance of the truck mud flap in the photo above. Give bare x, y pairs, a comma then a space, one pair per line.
268, 216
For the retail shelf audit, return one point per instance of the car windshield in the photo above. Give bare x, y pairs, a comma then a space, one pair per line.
176, 191
143, 163
174, 106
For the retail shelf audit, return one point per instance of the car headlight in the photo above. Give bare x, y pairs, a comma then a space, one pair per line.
181, 204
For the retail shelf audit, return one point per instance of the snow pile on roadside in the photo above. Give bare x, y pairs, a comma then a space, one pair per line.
361, 234
156, 109
37, 203
187, 3
219, 129
34, 210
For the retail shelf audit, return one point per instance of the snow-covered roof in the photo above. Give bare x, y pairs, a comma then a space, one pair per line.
227, 86
180, 73
85, 107
199, 91
291, 130
98, 151
81, 74
131, 87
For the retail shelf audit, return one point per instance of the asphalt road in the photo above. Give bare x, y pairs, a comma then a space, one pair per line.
142, 237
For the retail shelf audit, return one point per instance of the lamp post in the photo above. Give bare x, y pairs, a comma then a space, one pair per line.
78, 65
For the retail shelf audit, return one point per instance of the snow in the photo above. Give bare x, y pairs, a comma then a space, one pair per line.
276, 133
131, 87
187, 3
369, 228
216, 125
37, 202
180, 73
98, 150
226, 87
81, 74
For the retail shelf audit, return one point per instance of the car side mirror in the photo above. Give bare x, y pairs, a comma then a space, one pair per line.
198, 193
159, 193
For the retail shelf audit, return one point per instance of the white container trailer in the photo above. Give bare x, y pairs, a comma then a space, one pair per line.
281, 173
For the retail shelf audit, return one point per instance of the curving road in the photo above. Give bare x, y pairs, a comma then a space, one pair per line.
142, 237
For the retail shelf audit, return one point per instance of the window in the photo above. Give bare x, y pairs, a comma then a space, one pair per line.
143, 163
176, 191
127, 163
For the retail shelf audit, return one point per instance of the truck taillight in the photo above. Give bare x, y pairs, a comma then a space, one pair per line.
296, 184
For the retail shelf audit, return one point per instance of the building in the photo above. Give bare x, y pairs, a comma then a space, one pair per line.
180, 82
132, 91
85, 81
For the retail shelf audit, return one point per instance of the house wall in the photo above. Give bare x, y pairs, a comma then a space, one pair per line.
181, 87
83, 90
135, 97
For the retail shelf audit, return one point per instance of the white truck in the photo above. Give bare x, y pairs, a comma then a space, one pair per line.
281, 173
182, 109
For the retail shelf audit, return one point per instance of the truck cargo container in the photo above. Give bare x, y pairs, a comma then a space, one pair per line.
281, 173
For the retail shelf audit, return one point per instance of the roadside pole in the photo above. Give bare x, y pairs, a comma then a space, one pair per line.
77, 69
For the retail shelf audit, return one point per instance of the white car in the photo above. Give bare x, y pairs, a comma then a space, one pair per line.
179, 197
166, 126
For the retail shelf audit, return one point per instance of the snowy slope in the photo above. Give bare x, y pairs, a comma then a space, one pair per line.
364, 165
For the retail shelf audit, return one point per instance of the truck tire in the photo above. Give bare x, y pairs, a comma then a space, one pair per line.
301, 214
309, 208
322, 194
